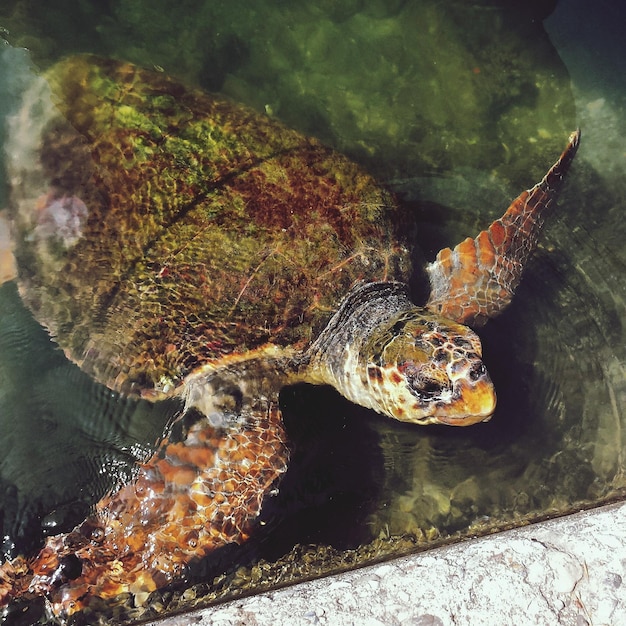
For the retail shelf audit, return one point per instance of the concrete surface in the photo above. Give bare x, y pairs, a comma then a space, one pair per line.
569, 571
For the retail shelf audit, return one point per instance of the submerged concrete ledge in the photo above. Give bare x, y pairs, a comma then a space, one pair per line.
569, 571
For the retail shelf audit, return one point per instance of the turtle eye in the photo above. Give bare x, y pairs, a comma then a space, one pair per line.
421, 383
425, 388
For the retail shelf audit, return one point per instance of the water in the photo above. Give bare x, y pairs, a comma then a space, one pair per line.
457, 107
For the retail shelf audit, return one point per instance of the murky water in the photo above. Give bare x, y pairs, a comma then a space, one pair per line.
458, 108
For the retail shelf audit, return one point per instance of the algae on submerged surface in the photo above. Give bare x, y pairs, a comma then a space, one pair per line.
406, 87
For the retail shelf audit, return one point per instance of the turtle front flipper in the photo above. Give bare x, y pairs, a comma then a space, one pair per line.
198, 492
476, 281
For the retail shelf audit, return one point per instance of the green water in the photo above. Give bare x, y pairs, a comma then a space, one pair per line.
458, 107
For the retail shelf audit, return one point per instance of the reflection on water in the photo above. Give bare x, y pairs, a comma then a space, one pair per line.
360, 487
65, 440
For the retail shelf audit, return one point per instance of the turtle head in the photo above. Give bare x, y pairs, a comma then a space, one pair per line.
423, 369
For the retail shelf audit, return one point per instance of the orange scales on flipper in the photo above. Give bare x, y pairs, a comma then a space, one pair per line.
476, 280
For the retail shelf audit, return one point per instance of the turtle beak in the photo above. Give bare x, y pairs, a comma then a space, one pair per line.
475, 402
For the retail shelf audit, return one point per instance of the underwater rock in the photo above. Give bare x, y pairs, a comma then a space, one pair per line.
407, 87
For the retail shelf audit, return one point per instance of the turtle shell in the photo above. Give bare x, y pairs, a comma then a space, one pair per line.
161, 227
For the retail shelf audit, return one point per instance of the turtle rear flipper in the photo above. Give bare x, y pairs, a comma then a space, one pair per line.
476, 281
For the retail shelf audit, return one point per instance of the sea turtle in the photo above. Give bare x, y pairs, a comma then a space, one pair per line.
178, 245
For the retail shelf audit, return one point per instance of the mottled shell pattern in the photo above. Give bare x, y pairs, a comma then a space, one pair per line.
162, 227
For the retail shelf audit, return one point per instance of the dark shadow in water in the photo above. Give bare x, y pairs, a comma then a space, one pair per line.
331, 487
66, 440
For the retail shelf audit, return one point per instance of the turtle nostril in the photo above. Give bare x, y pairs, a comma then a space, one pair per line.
476, 372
